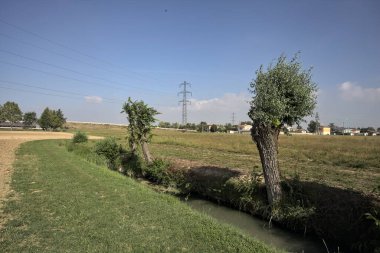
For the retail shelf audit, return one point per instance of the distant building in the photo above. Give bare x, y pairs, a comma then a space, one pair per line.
300, 131
324, 130
347, 131
355, 131
244, 128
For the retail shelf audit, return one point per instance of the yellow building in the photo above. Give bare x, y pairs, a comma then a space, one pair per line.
323, 130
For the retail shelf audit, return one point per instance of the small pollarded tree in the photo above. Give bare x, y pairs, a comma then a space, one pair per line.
282, 94
141, 118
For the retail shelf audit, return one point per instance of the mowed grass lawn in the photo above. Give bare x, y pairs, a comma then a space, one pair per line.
348, 162
62, 203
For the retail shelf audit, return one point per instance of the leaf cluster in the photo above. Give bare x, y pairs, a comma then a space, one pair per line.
283, 94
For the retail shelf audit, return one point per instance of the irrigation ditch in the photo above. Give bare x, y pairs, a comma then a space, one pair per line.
343, 220
336, 216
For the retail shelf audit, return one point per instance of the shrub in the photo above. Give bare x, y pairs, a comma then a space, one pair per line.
109, 149
131, 163
157, 171
80, 137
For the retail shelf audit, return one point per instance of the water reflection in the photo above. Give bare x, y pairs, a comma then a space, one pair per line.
258, 228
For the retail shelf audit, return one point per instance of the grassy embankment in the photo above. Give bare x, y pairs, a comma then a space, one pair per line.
62, 203
336, 179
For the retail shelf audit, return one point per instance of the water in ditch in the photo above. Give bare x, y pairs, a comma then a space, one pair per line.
258, 228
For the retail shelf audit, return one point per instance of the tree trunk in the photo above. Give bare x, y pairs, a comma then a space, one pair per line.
266, 139
146, 152
133, 148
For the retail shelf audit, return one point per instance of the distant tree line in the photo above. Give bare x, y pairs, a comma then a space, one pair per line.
203, 126
12, 116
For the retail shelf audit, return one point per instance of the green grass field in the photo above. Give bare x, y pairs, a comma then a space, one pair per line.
347, 162
62, 203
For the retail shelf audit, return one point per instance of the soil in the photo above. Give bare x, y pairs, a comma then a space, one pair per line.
9, 142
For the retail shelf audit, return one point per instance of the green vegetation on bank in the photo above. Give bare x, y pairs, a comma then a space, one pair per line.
62, 203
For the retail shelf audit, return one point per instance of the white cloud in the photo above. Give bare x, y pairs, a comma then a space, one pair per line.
352, 91
93, 99
213, 110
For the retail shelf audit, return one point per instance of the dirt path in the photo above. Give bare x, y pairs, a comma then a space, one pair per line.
9, 142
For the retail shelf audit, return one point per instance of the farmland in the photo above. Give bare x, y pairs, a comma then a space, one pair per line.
346, 162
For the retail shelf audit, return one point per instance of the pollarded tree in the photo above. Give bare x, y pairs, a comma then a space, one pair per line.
283, 94
141, 118
11, 112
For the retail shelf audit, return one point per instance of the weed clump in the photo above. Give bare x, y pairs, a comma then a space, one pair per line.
131, 163
109, 149
157, 171
79, 137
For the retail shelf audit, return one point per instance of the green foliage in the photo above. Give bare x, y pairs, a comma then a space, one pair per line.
80, 137
213, 128
373, 218
51, 119
312, 126
157, 171
30, 119
109, 149
2, 117
164, 124
44, 120
132, 164
141, 118
284, 94
86, 151
10, 111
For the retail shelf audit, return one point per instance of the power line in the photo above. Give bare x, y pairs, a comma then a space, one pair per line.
69, 57
55, 74
71, 70
59, 91
69, 48
47, 94
74, 71
233, 119
72, 78
184, 101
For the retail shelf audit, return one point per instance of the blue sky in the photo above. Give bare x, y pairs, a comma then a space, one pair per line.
87, 57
